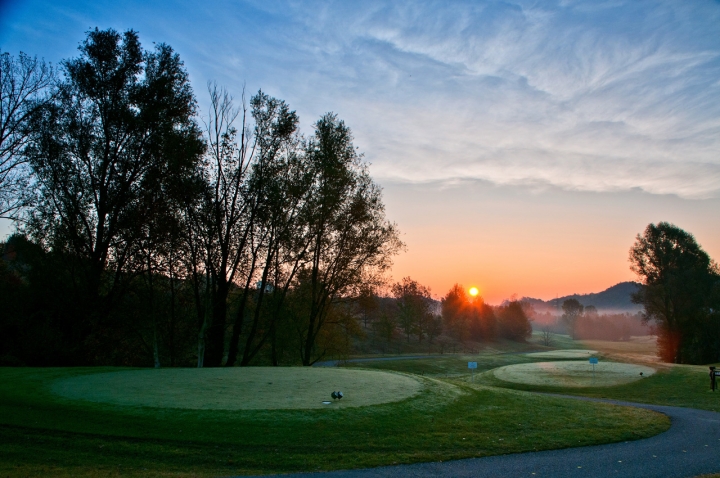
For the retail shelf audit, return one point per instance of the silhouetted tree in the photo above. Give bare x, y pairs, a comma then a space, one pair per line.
513, 322
414, 307
679, 292
24, 82
120, 121
455, 313
467, 318
572, 310
351, 240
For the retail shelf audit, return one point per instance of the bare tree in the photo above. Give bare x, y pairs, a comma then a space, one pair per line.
546, 336
222, 220
23, 82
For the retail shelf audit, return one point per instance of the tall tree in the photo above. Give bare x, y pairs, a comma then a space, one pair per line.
467, 318
119, 122
351, 240
24, 82
679, 292
572, 311
414, 307
455, 312
513, 321
223, 218
280, 182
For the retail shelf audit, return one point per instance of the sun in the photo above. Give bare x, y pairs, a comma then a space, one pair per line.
473, 291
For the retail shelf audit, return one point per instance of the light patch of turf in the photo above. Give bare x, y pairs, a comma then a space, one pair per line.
241, 388
563, 354
572, 374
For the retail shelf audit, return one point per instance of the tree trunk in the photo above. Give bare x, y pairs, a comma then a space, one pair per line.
215, 346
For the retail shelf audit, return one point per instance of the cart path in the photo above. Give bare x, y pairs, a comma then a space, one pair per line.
691, 447
338, 363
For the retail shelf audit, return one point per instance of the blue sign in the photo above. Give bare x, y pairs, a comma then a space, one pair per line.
593, 360
472, 364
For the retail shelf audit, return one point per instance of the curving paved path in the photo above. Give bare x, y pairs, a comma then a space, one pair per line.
337, 363
691, 447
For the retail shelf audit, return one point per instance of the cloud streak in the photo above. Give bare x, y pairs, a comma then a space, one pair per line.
584, 95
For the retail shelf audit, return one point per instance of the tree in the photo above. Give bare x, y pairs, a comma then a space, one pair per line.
367, 304
455, 312
513, 322
679, 292
546, 336
434, 327
572, 310
280, 182
23, 83
414, 307
120, 124
351, 240
467, 318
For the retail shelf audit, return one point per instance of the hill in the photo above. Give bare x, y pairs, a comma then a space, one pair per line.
613, 299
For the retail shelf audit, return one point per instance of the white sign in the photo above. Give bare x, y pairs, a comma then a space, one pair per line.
472, 364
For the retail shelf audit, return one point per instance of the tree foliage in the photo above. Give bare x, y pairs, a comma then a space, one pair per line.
414, 307
572, 311
513, 321
466, 318
118, 128
680, 292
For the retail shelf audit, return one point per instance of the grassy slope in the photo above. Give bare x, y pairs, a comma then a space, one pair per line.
41, 434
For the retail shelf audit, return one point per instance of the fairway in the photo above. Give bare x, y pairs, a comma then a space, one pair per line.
563, 354
239, 388
572, 374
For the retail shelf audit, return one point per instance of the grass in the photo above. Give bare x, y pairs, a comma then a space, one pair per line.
248, 388
44, 434
573, 373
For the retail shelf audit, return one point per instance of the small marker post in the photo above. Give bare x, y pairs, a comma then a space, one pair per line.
593, 361
472, 366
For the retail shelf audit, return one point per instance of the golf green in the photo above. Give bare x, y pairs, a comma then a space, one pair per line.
573, 373
240, 388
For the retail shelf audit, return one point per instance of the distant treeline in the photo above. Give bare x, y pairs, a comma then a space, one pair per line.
409, 314
614, 327
591, 325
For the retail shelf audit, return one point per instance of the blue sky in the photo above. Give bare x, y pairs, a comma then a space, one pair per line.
607, 103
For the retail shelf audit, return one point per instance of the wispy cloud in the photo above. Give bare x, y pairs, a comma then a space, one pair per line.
584, 95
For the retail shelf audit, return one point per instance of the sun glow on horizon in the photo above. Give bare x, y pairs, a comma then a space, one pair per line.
473, 291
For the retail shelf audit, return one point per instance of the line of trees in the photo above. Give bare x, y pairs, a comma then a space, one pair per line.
585, 323
409, 314
143, 235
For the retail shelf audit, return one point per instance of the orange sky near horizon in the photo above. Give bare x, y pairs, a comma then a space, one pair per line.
535, 243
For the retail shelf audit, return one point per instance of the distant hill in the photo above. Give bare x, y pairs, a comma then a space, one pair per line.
614, 299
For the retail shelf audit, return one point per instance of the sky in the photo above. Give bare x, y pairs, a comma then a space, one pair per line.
521, 145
